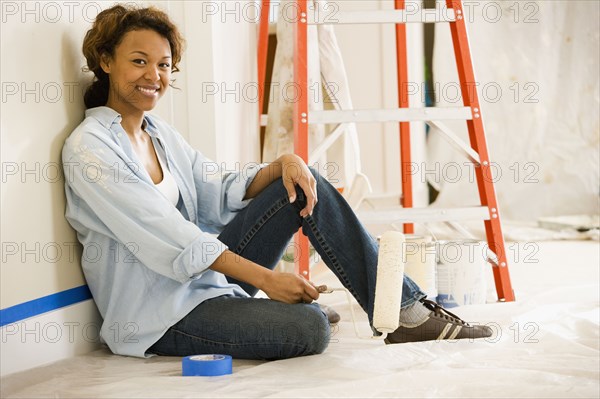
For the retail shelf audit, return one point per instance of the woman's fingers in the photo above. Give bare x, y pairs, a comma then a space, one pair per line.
291, 189
311, 291
309, 186
296, 172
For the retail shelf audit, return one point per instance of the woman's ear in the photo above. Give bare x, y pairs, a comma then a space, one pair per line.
105, 62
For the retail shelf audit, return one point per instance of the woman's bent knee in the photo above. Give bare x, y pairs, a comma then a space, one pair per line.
315, 330
314, 172
306, 331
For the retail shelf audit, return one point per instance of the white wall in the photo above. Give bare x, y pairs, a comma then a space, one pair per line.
217, 105
41, 103
235, 70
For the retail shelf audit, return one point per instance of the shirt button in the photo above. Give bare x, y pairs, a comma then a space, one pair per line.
118, 134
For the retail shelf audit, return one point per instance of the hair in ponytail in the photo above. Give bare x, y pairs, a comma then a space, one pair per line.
108, 31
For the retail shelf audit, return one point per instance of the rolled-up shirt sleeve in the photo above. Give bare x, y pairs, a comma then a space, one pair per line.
131, 210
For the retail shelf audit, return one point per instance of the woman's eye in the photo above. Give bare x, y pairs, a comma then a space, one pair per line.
165, 65
139, 61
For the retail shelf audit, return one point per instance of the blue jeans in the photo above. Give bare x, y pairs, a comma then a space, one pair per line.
253, 328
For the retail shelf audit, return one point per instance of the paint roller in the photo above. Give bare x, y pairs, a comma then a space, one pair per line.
388, 285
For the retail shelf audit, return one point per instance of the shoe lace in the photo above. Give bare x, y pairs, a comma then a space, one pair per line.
443, 313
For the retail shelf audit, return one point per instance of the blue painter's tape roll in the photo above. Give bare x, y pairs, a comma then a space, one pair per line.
206, 365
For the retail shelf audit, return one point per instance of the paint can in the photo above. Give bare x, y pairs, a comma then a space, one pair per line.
460, 272
420, 254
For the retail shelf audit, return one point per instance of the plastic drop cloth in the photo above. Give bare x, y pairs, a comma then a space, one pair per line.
536, 69
546, 345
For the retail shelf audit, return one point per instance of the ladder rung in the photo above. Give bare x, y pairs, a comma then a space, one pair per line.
455, 141
331, 16
493, 258
422, 215
326, 143
491, 255
391, 115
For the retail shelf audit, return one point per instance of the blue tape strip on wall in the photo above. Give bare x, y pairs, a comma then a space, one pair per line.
44, 304
206, 365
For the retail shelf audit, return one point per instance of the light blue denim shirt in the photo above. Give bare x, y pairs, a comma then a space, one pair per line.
145, 260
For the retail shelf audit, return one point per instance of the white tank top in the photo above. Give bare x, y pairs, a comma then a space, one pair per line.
167, 186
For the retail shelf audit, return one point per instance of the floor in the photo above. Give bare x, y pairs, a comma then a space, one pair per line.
546, 345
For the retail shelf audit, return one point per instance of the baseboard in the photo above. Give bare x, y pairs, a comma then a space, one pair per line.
49, 337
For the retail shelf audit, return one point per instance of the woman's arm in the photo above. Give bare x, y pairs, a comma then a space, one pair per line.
283, 287
293, 170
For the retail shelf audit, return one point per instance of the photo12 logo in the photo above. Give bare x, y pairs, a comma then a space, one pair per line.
51, 11
526, 12
41, 92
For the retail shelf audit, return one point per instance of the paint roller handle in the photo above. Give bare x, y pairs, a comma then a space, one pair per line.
323, 289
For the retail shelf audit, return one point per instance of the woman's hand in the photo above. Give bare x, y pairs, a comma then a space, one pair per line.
289, 288
283, 287
294, 171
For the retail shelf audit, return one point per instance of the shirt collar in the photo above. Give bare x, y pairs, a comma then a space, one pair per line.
108, 117
105, 115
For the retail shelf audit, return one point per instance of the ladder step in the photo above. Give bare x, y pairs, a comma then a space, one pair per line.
455, 141
491, 255
422, 215
391, 115
326, 143
330, 16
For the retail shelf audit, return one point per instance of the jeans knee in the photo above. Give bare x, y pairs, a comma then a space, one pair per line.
321, 182
314, 172
316, 329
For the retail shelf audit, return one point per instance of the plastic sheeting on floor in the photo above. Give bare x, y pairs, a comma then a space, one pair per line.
547, 345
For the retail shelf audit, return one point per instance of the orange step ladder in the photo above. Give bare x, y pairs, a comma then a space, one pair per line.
476, 152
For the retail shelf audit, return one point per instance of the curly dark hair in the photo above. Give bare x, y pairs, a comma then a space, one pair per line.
108, 31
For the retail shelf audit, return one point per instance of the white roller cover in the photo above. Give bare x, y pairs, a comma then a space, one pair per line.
390, 273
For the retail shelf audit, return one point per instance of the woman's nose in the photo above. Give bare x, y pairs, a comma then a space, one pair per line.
152, 73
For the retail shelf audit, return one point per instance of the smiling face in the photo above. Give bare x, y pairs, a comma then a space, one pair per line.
139, 71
